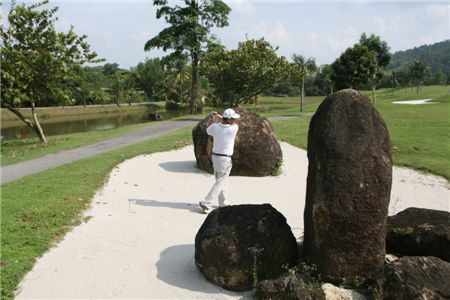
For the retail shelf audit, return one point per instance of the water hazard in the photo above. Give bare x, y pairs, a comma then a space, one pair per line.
81, 123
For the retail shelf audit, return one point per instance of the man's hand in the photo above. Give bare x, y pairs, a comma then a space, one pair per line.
214, 115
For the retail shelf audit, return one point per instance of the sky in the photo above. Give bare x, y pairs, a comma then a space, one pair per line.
118, 30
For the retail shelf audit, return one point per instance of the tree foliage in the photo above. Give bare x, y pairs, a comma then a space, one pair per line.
362, 64
37, 61
418, 71
354, 67
189, 32
301, 67
238, 76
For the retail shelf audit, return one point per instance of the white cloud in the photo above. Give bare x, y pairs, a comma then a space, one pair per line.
387, 26
279, 34
141, 36
439, 11
342, 39
242, 7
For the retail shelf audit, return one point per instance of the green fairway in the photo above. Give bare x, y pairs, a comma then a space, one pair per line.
39, 209
420, 134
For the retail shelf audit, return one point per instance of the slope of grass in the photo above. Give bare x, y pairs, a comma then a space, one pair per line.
420, 134
39, 209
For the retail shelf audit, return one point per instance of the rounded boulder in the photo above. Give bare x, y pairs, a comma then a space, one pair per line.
256, 150
240, 245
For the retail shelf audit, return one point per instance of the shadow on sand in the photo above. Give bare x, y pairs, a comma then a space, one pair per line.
187, 166
155, 203
176, 266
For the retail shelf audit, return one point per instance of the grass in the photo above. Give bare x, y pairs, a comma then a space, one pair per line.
15, 151
39, 209
420, 134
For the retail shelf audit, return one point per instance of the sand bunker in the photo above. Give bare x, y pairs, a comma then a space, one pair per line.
139, 242
414, 102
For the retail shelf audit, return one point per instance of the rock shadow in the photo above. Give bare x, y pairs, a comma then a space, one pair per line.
176, 266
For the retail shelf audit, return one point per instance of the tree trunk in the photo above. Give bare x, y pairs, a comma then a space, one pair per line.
302, 93
37, 126
374, 99
194, 87
20, 116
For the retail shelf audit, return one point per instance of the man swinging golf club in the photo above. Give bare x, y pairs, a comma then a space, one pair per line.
224, 134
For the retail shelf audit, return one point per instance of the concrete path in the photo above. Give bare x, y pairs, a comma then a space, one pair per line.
53, 160
19, 170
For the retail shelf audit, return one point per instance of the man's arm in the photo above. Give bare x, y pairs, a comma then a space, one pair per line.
212, 117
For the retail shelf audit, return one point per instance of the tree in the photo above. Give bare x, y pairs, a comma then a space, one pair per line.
301, 68
37, 61
323, 81
150, 76
381, 50
110, 69
354, 67
189, 32
89, 87
178, 76
122, 83
418, 71
240, 75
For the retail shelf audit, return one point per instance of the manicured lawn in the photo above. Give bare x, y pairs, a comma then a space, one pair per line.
15, 151
420, 134
39, 209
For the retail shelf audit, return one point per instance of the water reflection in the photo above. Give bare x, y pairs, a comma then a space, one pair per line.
82, 123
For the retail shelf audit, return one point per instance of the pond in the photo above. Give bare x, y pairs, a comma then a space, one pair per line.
81, 123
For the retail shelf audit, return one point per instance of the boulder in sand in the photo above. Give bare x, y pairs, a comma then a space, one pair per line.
240, 245
348, 189
256, 149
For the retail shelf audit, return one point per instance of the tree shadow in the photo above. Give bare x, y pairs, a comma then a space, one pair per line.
187, 166
176, 266
176, 205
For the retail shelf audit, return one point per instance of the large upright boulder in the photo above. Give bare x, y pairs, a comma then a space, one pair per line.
419, 232
256, 149
348, 189
237, 245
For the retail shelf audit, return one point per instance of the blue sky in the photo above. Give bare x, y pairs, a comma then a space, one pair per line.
118, 30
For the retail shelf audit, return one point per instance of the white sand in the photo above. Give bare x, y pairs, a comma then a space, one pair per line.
139, 242
415, 102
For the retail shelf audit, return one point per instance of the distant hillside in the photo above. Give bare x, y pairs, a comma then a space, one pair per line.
436, 56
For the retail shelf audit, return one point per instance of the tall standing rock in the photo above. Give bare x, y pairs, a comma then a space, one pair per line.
348, 189
256, 149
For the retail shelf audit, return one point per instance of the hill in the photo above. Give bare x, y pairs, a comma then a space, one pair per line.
436, 56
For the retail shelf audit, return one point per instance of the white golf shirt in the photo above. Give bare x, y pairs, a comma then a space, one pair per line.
224, 135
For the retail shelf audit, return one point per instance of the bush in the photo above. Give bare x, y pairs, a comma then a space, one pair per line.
172, 105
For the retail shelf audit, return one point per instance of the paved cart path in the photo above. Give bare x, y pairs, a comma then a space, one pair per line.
53, 160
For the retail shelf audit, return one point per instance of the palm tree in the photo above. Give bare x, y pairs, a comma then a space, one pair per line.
302, 68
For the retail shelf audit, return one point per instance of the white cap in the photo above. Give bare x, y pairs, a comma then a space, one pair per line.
230, 114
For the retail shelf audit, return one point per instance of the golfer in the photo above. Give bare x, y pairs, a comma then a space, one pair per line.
224, 134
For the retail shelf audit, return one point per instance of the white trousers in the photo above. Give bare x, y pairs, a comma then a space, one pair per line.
222, 168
